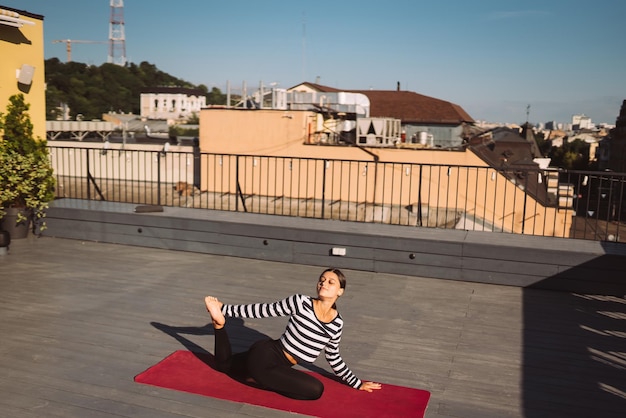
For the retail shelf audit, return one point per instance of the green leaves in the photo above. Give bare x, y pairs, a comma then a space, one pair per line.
26, 176
26, 180
573, 155
17, 125
92, 90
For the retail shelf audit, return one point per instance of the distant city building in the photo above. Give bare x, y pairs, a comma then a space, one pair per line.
551, 126
171, 103
606, 126
581, 122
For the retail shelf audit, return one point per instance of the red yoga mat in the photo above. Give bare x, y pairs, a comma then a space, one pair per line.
191, 372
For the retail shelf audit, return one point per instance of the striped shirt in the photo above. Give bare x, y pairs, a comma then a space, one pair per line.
305, 336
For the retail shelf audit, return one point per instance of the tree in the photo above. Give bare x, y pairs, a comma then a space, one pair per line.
573, 155
17, 127
216, 97
90, 90
26, 178
194, 119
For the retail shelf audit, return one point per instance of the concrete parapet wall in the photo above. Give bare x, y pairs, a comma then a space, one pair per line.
505, 259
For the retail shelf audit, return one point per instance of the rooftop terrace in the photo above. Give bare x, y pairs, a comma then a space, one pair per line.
77, 327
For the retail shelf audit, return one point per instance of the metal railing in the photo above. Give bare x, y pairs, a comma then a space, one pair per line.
566, 204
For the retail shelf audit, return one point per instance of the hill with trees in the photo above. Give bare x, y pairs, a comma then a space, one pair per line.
90, 90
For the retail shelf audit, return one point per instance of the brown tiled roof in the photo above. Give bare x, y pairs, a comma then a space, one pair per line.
408, 106
503, 148
512, 155
412, 107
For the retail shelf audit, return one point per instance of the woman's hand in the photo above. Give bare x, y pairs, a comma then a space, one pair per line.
370, 386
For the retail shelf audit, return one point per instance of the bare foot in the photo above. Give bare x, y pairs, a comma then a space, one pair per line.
214, 306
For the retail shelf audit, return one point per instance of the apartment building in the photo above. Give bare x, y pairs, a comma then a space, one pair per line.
175, 104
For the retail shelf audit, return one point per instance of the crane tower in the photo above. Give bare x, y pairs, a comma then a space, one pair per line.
68, 45
117, 38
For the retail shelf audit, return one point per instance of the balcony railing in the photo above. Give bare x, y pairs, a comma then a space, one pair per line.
565, 204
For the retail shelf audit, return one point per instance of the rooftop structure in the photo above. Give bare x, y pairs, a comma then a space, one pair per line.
424, 119
110, 311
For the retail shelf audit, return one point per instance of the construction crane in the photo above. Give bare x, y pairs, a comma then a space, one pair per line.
69, 42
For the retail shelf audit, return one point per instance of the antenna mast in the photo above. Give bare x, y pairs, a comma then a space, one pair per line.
303, 47
117, 38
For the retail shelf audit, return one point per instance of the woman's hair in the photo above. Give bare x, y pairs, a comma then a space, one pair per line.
340, 275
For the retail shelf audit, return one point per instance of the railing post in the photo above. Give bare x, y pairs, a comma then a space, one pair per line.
238, 191
525, 200
158, 178
324, 187
196, 163
419, 199
88, 175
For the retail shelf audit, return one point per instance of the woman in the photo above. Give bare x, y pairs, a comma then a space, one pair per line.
314, 325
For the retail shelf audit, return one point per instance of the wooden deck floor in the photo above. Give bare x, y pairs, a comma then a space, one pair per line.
80, 319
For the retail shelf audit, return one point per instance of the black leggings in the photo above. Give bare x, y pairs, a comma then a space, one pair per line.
266, 363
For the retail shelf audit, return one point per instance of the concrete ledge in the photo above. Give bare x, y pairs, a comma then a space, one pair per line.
525, 261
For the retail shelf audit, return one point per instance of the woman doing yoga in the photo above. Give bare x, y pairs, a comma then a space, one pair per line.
314, 325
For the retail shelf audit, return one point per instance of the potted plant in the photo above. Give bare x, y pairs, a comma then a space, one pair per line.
26, 178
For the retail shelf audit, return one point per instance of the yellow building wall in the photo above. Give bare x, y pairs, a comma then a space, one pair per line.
281, 162
286, 133
18, 47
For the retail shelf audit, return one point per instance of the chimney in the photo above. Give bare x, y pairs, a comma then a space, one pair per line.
398, 87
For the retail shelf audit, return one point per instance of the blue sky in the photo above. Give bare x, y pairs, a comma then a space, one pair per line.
491, 57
